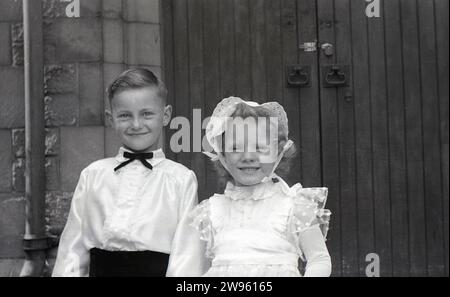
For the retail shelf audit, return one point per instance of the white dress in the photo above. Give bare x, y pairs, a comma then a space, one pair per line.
262, 230
132, 209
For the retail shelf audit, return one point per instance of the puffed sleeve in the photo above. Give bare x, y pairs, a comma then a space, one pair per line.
309, 224
187, 251
73, 256
201, 221
309, 209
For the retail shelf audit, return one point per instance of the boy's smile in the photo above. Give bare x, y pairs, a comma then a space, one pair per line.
138, 117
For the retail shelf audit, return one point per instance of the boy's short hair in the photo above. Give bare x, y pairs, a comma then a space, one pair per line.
137, 78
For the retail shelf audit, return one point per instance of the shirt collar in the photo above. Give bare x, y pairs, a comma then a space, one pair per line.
158, 156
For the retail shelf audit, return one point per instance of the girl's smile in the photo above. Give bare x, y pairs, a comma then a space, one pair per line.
249, 170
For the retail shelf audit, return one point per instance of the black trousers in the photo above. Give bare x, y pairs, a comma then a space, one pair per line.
127, 264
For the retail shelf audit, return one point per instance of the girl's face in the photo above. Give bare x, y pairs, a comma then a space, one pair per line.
249, 159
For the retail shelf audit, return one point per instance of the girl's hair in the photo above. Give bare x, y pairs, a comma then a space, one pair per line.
244, 111
137, 78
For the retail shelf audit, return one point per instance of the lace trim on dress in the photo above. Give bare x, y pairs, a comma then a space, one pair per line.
201, 220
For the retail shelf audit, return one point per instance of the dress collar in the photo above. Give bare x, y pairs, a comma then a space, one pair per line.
158, 156
260, 191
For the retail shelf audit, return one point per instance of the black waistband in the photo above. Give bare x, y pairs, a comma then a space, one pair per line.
125, 263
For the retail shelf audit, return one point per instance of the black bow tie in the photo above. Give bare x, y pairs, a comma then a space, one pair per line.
136, 156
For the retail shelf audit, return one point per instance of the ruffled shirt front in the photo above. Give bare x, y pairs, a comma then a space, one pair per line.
132, 209
262, 230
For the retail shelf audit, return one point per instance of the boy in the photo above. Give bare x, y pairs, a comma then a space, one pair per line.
129, 213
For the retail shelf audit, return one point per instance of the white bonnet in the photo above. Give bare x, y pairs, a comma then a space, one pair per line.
224, 110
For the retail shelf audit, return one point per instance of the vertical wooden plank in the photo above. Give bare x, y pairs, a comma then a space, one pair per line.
211, 77
258, 51
330, 138
396, 125
431, 139
196, 94
290, 95
168, 67
274, 60
442, 29
380, 145
413, 125
227, 48
289, 39
364, 169
346, 117
309, 99
243, 75
275, 65
181, 66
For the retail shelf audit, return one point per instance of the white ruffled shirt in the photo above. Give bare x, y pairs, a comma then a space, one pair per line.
133, 209
263, 230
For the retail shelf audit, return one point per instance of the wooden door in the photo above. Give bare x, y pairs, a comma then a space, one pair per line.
380, 144
384, 138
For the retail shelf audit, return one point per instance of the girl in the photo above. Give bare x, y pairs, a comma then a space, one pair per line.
259, 226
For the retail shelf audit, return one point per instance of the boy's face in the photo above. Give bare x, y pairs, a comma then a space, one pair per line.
138, 117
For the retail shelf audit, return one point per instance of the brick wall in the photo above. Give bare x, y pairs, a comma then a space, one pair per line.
82, 55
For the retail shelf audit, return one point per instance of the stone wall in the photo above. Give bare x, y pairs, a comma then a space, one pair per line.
82, 55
